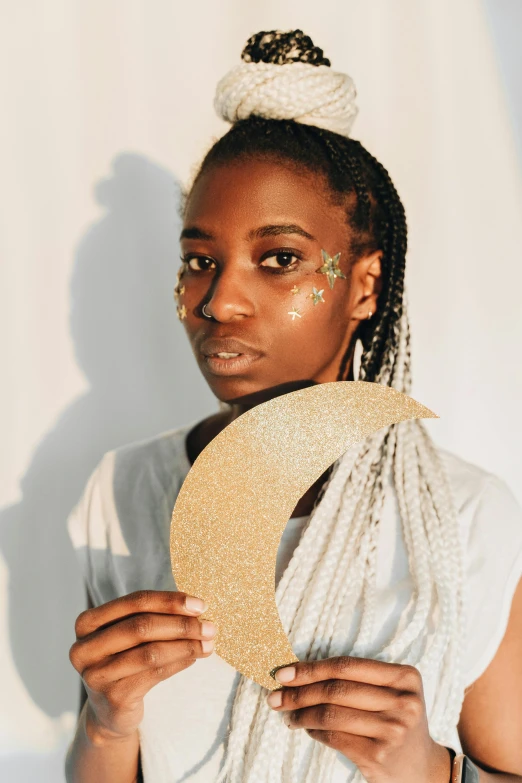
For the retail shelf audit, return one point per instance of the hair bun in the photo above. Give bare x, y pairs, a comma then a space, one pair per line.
264, 84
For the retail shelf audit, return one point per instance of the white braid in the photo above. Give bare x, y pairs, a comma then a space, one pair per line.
330, 581
311, 94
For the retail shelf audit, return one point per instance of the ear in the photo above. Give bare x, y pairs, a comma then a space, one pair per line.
366, 284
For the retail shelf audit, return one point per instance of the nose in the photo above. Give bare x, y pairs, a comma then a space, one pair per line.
230, 297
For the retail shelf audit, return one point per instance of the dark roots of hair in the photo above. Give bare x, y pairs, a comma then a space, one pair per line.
281, 48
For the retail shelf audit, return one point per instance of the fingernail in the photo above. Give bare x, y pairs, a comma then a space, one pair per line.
208, 629
207, 645
195, 605
275, 699
285, 675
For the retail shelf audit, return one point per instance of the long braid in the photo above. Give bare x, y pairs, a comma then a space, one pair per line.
327, 594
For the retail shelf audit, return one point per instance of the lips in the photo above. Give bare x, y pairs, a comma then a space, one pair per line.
226, 345
227, 356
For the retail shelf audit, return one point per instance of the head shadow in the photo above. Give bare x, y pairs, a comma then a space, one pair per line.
129, 345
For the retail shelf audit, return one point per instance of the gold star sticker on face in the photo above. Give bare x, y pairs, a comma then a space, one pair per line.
330, 268
316, 295
179, 291
182, 312
294, 312
294, 290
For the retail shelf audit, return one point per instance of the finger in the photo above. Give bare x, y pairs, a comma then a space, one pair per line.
156, 601
133, 631
331, 717
129, 691
346, 693
357, 749
394, 675
152, 656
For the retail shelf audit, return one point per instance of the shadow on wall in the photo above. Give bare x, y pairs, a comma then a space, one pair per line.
142, 380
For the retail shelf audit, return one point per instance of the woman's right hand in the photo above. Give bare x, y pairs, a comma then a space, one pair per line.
126, 646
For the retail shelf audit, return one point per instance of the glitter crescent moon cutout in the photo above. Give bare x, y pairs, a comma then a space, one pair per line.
237, 498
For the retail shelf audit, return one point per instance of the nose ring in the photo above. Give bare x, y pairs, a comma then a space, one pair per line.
204, 311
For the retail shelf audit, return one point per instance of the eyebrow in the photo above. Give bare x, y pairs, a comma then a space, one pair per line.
194, 232
279, 228
273, 230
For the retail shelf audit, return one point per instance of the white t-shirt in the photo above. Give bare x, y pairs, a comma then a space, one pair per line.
120, 530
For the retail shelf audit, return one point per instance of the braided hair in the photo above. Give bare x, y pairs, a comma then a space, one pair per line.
327, 595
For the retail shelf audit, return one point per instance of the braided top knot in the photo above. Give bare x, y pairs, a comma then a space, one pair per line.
282, 48
264, 84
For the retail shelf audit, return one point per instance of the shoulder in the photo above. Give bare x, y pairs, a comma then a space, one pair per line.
159, 460
486, 505
154, 465
467, 480
120, 525
146, 477
490, 521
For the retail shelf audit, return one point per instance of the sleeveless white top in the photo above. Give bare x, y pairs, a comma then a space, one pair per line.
120, 531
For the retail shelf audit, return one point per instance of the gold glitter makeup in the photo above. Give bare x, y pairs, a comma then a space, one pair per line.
179, 289
295, 290
294, 312
330, 268
228, 521
182, 312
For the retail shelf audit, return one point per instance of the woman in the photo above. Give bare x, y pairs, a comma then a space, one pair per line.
398, 576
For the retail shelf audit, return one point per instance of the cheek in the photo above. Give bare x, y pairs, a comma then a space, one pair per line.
188, 295
310, 320
300, 320
318, 302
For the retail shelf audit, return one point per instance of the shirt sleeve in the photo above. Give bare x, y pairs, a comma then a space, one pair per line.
92, 532
493, 571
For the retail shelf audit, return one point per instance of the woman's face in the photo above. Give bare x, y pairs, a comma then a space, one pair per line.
252, 240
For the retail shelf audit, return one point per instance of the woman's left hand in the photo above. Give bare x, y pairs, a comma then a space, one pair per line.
372, 712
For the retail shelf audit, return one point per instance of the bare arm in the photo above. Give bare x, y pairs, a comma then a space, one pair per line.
83, 701
123, 649
490, 726
119, 763
95, 757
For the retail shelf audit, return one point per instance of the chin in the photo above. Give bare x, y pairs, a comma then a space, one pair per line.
240, 391
233, 390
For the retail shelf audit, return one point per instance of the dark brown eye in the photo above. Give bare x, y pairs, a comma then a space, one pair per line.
200, 263
279, 260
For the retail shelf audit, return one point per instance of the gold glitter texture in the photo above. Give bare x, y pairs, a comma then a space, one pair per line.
179, 289
238, 496
179, 292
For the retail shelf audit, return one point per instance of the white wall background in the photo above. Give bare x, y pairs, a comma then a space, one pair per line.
106, 106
